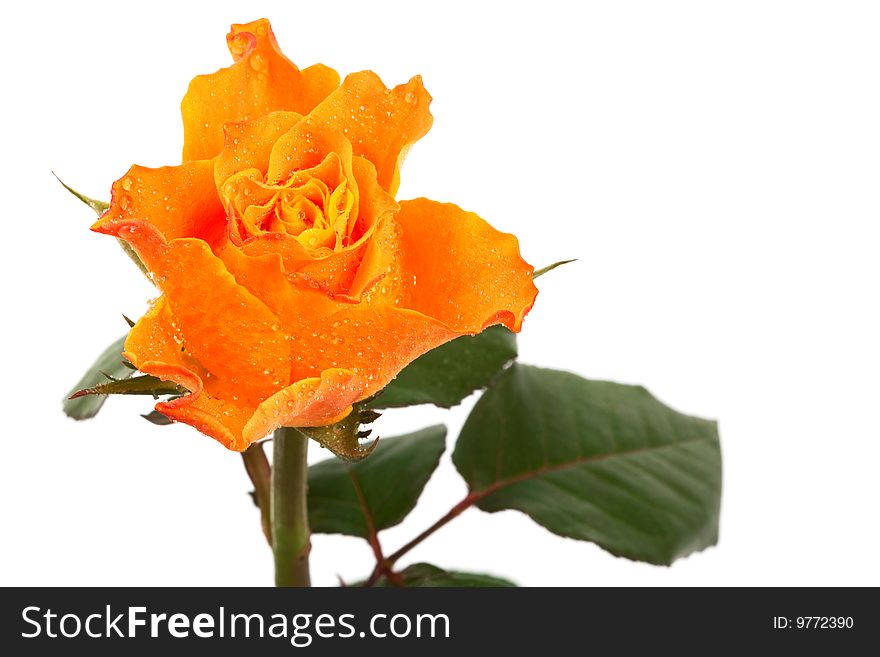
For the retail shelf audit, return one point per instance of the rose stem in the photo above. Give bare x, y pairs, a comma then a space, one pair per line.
257, 466
290, 521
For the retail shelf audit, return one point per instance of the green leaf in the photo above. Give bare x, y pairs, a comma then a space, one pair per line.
157, 418
360, 499
99, 207
145, 384
110, 362
446, 375
424, 575
544, 270
594, 461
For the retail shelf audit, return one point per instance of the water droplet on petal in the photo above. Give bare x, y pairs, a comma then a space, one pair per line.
258, 62
410, 97
126, 184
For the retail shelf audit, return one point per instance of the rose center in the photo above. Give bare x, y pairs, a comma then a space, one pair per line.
320, 211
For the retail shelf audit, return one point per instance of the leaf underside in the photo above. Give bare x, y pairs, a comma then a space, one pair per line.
145, 384
446, 375
110, 362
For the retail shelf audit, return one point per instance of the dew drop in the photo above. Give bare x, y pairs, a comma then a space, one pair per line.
126, 184
258, 62
237, 46
410, 97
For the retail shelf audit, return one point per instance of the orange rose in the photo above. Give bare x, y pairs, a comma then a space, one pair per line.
294, 285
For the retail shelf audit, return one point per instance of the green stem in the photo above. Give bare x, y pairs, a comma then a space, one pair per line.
290, 521
257, 466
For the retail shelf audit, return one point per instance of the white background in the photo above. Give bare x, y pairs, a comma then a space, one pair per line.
713, 166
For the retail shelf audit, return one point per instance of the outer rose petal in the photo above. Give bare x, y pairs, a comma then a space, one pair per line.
178, 201
233, 423
375, 342
316, 401
370, 345
461, 271
381, 123
222, 325
261, 80
152, 349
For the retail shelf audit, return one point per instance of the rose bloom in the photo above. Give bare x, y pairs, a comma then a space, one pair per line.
293, 283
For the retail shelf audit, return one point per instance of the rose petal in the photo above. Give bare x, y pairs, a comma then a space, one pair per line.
461, 271
179, 201
261, 80
327, 332
226, 328
151, 348
373, 201
374, 342
248, 144
377, 263
381, 123
311, 402
304, 146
